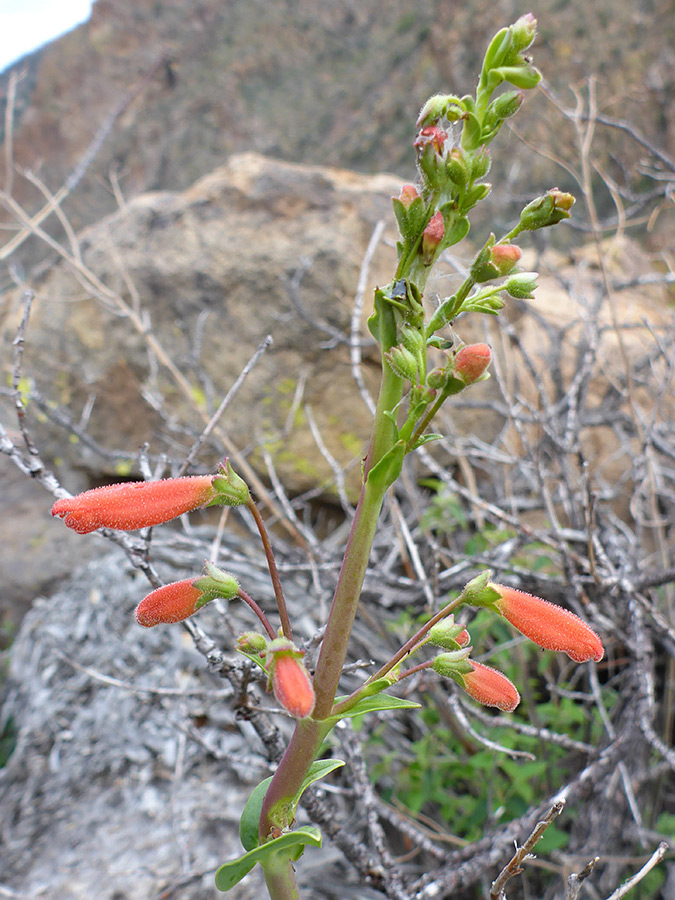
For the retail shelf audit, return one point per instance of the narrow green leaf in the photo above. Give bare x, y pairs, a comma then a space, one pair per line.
427, 439
285, 846
376, 703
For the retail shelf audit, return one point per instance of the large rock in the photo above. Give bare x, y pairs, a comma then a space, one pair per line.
259, 247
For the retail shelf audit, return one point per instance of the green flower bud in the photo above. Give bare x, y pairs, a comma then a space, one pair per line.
402, 362
251, 643
480, 164
526, 77
436, 108
216, 583
457, 168
521, 285
549, 209
448, 635
437, 378
523, 32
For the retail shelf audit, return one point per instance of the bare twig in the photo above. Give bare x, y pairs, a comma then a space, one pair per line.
514, 866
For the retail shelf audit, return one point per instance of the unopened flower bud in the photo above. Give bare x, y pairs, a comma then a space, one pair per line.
408, 193
437, 378
494, 261
217, 583
134, 504
480, 163
506, 105
548, 625
432, 237
402, 362
521, 285
448, 635
252, 643
504, 257
549, 209
471, 362
290, 680
457, 167
521, 76
433, 110
171, 603
523, 32
489, 687
231, 490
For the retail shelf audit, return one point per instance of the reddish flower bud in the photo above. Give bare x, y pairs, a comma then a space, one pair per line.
432, 236
472, 361
490, 687
134, 504
548, 625
463, 638
292, 685
169, 604
408, 193
504, 257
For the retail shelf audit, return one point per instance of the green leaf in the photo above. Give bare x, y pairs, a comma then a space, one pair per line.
497, 49
255, 658
471, 132
456, 232
376, 703
427, 439
250, 817
289, 846
385, 472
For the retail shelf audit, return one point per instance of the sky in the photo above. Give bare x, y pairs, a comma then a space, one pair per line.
26, 25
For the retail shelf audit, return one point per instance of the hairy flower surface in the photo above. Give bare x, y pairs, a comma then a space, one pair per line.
548, 625
490, 687
171, 603
471, 361
134, 504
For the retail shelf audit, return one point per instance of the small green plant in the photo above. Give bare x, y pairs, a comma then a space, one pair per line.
453, 160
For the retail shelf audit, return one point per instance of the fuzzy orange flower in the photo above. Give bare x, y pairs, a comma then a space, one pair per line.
171, 603
548, 625
490, 687
134, 504
292, 685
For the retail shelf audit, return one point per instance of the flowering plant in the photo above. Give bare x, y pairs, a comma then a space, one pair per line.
432, 215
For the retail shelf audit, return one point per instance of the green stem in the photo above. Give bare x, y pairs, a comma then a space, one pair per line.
280, 880
272, 566
277, 809
416, 640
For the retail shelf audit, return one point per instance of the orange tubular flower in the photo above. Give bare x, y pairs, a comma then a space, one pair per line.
292, 685
490, 687
548, 625
134, 504
169, 604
